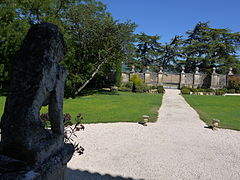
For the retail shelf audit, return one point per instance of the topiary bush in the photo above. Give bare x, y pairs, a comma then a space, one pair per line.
160, 89
137, 83
209, 90
200, 90
142, 88
220, 92
193, 90
185, 91
231, 91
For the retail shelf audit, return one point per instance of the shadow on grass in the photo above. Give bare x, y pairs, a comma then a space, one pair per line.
98, 91
79, 175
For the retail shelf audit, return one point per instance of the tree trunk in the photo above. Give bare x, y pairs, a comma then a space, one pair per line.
92, 76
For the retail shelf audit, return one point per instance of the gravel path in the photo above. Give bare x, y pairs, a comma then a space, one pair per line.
177, 146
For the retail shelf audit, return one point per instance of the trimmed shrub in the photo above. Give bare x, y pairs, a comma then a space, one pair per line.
160, 89
128, 85
193, 90
200, 90
220, 92
209, 90
142, 88
136, 80
137, 83
126, 89
154, 87
231, 90
185, 91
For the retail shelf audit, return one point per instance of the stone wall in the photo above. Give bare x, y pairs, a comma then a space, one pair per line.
178, 80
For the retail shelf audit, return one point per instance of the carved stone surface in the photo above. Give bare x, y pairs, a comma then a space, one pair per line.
37, 80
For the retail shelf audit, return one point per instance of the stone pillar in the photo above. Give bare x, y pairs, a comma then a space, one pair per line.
132, 72
147, 76
214, 79
160, 77
182, 78
196, 78
125, 77
230, 73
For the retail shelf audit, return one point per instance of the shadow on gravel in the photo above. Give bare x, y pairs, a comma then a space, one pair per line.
80, 175
208, 127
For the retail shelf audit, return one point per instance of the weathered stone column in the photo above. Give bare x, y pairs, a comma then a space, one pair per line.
214, 79
125, 77
160, 77
230, 73
182, 78
196, 78
27, 149
147, 76
132, 72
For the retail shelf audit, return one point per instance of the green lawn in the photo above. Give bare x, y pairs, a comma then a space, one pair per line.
2, 103
120, 107
224, 108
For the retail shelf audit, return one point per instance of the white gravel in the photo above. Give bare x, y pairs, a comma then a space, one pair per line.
177, 146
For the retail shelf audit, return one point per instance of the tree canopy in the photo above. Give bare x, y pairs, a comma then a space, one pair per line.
96, 42
203, 47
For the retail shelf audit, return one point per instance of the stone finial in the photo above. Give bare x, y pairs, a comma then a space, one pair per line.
214, 70
160, 69
183, 69
133, 68
197, 70
147, 69
230, 71
37, 80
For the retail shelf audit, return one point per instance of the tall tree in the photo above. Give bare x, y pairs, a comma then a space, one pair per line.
95, 40
208, 47
168, 54
97, 43
146, 47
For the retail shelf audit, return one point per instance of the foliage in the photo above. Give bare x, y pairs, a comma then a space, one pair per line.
96, 42
208, 47
137, 85
220, 92
160, 89
193, 90
118, 74
223, 108
231, 91
145, 50
204, 47
69, 131
234, 83
142, 88
185, 91
209, 90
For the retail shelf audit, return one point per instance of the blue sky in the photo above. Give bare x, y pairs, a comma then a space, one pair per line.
168, 18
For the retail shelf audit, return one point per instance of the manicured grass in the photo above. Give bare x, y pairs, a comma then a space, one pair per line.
2, 103
119, 107
224, 108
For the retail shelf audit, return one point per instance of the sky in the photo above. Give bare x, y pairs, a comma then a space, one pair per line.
168, 18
